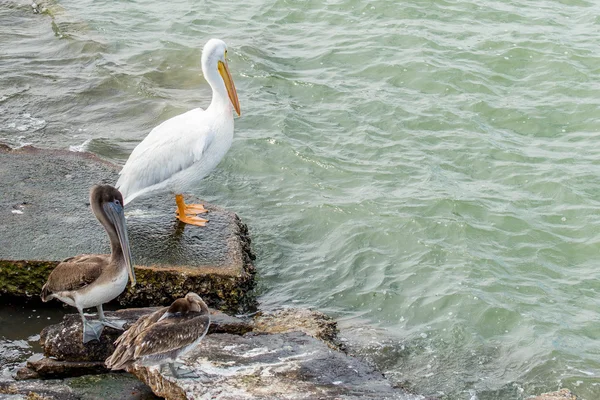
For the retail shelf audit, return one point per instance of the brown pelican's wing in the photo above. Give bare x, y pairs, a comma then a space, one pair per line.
171, 333
124, 350
74, 274
87, 258
142, 323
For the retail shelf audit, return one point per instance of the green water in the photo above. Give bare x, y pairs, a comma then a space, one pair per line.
425, 171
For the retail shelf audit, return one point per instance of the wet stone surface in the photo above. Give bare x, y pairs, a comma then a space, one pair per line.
271, 366
98, 387
45, 217
313, 323
282, 354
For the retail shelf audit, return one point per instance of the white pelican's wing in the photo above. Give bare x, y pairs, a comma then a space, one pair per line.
170, 148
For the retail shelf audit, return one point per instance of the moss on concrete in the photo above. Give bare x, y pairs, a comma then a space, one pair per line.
155, 286
24, 278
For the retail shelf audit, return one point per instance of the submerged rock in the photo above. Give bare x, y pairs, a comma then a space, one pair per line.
311, 322
562, 394
290, 365
45, 218
99, 387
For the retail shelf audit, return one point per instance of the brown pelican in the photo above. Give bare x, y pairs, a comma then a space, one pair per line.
177, 154
163, 336
90, 280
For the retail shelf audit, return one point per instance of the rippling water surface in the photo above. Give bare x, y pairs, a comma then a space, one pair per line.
426, 171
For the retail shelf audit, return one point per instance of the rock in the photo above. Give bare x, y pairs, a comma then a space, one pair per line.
282, 354
109, 386
562, 394
66, 354
25, 373
48, 368
313, 323
63, 343
45, 217
35, 390
99, 387
271, 366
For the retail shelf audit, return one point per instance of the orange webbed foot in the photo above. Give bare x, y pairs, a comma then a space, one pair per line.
186, 213
195, 209
191, 220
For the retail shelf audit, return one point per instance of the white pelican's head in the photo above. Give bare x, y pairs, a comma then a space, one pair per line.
214, 59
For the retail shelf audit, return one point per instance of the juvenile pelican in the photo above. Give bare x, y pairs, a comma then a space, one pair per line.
91, 280
181, 151
163, 336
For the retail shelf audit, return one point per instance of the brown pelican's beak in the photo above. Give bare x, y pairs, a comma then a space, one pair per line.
116, 215
224, 71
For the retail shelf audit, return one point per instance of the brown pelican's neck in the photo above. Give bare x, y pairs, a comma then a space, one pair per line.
115, 245
116, 251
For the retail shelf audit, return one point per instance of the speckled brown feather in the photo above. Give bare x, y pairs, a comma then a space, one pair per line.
141, 324
171, 333
124, 351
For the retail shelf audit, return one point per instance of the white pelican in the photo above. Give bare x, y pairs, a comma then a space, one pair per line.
181, 151
91, 280
163, 336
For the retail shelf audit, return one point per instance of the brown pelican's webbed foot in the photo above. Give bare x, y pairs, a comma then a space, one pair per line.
91, 329
186, 213
179, 372
113, 323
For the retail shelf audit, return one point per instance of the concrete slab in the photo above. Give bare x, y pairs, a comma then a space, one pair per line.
45, 217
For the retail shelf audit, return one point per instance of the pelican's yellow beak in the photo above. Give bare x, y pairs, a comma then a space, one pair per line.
224, 71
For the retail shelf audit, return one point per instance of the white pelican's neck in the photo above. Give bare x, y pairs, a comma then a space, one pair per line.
220, 99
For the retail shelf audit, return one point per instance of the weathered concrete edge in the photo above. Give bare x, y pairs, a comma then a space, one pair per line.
227, 292
33, 150
219, 287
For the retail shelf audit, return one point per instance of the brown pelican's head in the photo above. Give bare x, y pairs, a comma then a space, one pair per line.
107, 206
196, 302
191, 303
